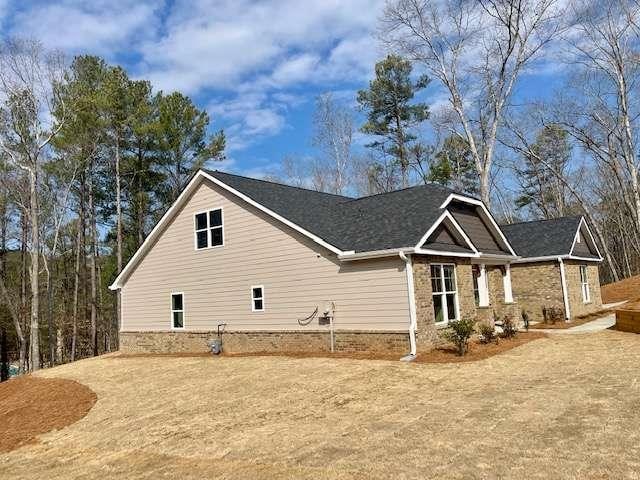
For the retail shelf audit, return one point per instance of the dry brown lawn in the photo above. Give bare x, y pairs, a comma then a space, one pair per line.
567, 406
626, 289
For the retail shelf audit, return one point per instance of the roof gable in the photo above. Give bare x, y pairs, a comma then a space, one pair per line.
549, 238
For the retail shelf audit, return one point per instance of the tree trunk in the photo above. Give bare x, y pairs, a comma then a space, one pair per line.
92, 268
24, 234
76, 285
118, 228
35, 270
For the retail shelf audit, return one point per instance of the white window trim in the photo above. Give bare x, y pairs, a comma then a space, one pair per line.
208, 229
173, 311
584, 284
444, 292
253, 299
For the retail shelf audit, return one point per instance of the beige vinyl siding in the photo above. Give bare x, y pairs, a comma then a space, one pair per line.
297, 274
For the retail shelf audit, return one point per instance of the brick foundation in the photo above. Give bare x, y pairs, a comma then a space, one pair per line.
264, 341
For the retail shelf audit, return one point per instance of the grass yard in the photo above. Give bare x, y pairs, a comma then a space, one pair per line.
566, 406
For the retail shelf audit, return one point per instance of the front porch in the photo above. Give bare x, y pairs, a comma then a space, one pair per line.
447, 289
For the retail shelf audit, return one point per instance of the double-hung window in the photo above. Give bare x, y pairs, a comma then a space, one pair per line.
257, 298
584, 284
445, 293
177, 310
209, 229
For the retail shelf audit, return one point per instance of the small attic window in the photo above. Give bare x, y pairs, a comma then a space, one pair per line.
209, 229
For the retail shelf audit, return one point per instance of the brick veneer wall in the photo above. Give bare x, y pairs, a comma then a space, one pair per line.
264, 341
576, 305
427, 336
537, 285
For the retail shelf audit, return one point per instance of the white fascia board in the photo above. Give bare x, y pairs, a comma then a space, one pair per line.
446, 215
391, 252
195, 181
591, 238
485, 210
547, 258
584, 259
442, 253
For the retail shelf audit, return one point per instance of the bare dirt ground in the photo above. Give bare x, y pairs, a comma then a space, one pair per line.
559, 407
30, 406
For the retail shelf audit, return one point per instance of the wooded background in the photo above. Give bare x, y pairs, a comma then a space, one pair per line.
90, 159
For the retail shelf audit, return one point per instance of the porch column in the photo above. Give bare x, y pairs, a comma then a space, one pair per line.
483, 288
506, 282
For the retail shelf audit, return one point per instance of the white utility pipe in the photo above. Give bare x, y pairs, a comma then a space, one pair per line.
413, 323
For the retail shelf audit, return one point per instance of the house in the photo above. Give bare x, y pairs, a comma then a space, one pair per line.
282, 268
558, 268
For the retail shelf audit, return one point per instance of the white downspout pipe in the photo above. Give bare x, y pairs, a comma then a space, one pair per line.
413, 323
565, 293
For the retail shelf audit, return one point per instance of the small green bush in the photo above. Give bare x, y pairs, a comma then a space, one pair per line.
509, 327
552, 314
525, 319
459, 334
487, 332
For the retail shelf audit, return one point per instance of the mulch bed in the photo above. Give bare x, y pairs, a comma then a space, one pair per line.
477, 350
578, 321
31, 406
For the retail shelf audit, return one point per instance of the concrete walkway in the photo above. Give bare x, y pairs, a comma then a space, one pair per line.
594, 326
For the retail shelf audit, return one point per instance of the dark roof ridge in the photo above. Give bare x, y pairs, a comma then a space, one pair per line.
541, 220
440, 187
279, 184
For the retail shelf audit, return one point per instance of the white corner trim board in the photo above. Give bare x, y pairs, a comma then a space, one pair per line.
413, 321
565, 293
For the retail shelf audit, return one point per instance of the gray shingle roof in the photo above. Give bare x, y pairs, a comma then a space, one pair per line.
542, 238
388, 220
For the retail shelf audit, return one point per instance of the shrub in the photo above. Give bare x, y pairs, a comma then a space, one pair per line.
459, 334
552, 314
487, 332
525, 319
509, 327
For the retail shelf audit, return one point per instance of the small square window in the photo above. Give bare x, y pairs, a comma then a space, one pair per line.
216, 237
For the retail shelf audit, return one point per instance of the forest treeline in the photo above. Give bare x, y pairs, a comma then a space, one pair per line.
91, 158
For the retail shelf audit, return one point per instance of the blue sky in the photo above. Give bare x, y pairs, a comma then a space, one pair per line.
256, 67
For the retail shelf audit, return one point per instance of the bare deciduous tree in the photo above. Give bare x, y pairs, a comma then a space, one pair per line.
477, 51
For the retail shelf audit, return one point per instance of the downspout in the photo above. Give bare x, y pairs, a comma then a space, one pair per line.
565, 293
412, 307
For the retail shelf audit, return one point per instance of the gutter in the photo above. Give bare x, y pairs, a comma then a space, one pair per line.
565, 294
413, 323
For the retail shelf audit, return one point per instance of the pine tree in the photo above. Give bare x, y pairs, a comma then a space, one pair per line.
391, 117
454, 166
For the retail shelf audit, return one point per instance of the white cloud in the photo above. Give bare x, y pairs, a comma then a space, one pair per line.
99, 27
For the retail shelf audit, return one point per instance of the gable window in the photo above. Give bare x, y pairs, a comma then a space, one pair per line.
445, 293
257, 298
177, 310
209, 229
584, 284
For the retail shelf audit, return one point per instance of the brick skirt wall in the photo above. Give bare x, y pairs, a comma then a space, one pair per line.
264, 341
